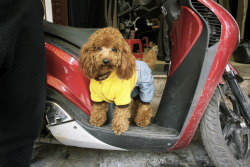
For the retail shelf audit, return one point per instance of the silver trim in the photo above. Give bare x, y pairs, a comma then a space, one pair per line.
164, 10
228, 69
55, 114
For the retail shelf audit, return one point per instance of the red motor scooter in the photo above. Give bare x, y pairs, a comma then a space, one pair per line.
202, 87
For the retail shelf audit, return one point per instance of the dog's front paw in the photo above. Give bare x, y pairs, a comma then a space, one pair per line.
120, 126
143, 115
97, 120
120, 122
99, 114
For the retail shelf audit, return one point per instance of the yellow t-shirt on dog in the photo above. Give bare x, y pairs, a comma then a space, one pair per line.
112, 89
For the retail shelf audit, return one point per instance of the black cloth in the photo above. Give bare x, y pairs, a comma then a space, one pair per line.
22, 79
163, 40
87, 13
141, 24
247, 24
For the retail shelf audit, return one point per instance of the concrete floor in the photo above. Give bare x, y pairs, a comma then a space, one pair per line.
64, 156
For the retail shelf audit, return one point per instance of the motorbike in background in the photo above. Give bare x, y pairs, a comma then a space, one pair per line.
202, 88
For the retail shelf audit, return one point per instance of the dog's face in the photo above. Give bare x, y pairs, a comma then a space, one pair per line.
105, 51
106, 59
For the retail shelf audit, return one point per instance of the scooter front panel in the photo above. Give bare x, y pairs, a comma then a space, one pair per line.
228, 40
184, 84
185, 32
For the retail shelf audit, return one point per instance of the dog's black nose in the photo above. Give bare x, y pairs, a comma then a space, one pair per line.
105, 61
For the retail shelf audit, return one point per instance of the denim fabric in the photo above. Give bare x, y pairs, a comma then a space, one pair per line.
144, 85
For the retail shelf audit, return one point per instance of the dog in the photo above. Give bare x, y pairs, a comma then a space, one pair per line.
116, 76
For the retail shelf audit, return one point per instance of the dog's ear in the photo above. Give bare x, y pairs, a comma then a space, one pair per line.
86, 62
126, 68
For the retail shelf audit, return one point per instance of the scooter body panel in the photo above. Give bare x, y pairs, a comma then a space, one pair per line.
73, 134
63, 75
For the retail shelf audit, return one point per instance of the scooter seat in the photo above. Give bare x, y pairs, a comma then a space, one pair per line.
76, 36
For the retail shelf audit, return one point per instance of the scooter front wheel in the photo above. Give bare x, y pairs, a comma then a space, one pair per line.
225, 135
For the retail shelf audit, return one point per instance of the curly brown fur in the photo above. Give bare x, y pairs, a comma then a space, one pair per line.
150, 57
120, 122
133, 107
143, 115
99, 114
107, 43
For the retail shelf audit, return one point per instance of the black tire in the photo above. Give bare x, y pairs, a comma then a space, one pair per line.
219, 151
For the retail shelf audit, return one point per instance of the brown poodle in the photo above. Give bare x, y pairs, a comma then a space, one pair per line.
107, 61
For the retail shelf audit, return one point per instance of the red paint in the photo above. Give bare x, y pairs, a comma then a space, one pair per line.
132, 43
63, 75
185, 32
228, 41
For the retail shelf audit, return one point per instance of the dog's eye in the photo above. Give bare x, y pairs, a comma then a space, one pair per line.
99, 48
114, 50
